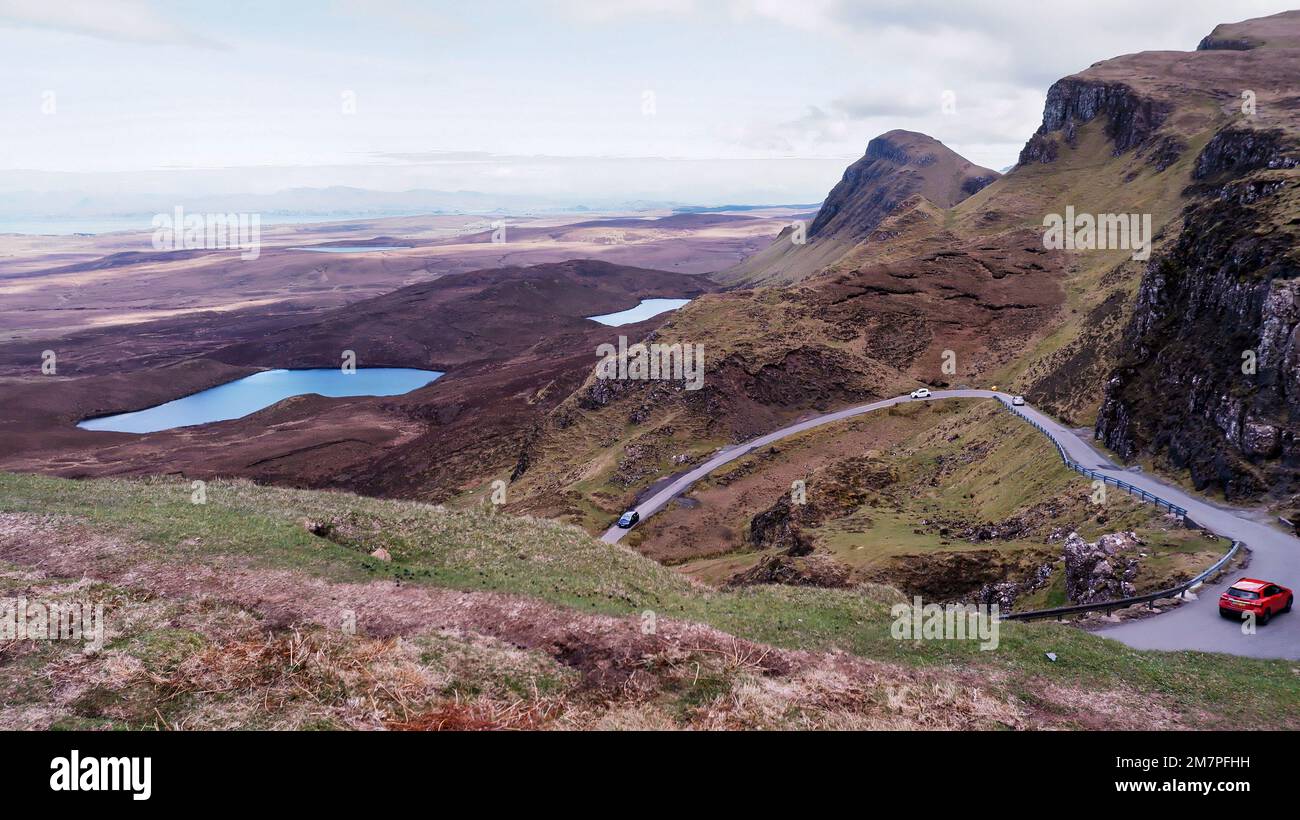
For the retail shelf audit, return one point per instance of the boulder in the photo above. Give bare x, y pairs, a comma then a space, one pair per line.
1100, 572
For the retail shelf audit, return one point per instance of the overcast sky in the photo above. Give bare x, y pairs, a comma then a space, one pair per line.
703, 101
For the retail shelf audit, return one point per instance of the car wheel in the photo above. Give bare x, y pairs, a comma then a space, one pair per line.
1225, 613
1289, 601
1264, 617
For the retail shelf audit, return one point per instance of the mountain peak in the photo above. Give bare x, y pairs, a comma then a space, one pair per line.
897, 164
1275, 31
906, 147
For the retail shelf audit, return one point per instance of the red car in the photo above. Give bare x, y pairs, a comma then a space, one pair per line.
1263, 598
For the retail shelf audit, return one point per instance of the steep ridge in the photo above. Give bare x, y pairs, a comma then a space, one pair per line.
897, 164
897, 167
1208, 381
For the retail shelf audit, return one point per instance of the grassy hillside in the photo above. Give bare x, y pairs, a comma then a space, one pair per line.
899, 490
228, 614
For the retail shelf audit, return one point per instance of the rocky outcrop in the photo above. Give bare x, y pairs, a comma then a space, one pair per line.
812, 571
1210, 375
975, 184
1027, 524
1211, 43
840, 489
1237, 150
1131, 119
1275, 31
780, 527
1100, 572
1006, 593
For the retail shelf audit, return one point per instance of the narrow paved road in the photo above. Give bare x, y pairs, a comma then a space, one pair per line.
1275, 555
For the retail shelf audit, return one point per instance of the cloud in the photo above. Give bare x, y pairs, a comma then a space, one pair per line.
878, 102
987, 122
608, 11
817, 16
765, 82
408, 15
127, 21
993, 63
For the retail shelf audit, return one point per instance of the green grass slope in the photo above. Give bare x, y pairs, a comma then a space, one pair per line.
145, 541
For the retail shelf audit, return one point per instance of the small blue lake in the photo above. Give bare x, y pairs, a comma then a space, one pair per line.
352, 248
252, 393
643, 311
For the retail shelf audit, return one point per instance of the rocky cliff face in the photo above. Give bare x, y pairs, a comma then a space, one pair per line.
1131, 119
1211, 376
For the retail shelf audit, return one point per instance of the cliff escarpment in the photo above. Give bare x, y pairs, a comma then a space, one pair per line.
1132, 119
1210, 380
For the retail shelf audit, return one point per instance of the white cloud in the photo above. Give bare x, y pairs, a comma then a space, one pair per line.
129, 21
738, 83
818, 16
607, 11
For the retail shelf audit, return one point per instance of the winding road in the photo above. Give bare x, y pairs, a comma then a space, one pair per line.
1196, 625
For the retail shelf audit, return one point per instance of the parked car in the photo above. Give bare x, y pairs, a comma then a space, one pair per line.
1018, 400
628, 519
1264, 598
921, 393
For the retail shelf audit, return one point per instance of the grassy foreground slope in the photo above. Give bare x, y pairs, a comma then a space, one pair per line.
232, 613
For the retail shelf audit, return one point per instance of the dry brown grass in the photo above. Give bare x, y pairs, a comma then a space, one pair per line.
233, 647
197, 664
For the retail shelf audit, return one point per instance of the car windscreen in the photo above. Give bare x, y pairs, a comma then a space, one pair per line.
1243, 593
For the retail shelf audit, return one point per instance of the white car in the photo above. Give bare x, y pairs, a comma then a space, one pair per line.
1017, 400
921, 393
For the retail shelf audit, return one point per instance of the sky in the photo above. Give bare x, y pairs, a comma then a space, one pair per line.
698, 101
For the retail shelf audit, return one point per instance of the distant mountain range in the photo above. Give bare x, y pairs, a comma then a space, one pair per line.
338, 200
78, 211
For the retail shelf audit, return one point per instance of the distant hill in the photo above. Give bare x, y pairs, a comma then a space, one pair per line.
898, 166
701, 209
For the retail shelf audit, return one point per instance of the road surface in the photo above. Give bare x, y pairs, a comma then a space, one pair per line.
1275, 555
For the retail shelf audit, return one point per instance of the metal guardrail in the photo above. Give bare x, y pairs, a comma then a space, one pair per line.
1120, 603
1061, 611
1181, 512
